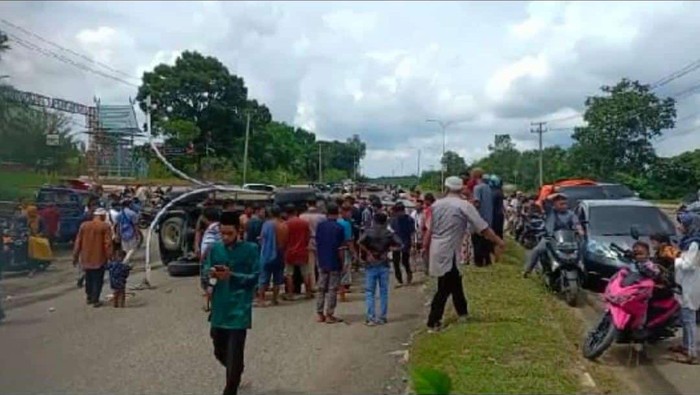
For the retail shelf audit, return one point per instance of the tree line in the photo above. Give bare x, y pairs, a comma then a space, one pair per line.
199, 106
24, 131
615, 145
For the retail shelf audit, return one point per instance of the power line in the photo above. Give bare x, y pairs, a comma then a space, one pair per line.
46, 52
689, 68
678, 134
68, 50
557, 120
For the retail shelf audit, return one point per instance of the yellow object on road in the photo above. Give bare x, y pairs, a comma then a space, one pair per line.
40, 249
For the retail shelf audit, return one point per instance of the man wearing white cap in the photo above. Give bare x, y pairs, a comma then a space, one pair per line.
451, 217
93, 248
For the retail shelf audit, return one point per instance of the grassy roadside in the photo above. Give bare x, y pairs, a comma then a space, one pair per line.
21, 184
519, 339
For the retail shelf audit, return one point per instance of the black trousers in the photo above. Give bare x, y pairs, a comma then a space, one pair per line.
94, 280
229, 347
400, 258
450, 284
482, 250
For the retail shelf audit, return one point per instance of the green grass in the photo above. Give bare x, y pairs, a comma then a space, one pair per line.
518, 339
21, 184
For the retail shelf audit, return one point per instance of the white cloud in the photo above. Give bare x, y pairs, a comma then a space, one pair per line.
380, 68
354, 24
530, 66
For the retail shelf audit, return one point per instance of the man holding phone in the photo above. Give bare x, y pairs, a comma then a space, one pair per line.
233, 268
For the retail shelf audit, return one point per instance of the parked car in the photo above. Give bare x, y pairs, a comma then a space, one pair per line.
600, 191
71, 206
612, 221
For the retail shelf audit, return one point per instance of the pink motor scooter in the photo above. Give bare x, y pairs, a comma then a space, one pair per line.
628, 297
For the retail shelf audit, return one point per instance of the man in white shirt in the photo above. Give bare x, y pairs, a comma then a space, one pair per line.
451, 218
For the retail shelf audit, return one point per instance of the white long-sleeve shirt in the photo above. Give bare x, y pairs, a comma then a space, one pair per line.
688, 277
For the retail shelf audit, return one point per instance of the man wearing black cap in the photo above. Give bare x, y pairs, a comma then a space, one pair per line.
233, 268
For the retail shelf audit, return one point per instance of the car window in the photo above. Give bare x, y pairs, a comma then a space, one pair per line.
618, 221
583, 192
617, 191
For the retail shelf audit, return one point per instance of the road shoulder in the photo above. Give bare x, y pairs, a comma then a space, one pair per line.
518, 339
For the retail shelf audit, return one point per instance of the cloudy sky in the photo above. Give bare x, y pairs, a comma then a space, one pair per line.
379, 69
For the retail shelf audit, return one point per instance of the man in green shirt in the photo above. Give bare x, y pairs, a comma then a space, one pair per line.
233, 267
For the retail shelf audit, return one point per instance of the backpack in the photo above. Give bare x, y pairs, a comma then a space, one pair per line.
125, 227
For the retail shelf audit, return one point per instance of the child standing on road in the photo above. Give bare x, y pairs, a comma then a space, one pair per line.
118, 274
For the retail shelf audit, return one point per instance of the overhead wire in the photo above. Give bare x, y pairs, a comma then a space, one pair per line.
46, 52
689, 68
68, 50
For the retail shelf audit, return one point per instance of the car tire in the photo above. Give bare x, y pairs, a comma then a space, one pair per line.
172, 233
182, 268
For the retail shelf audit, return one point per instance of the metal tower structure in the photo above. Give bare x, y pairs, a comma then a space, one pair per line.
110, 129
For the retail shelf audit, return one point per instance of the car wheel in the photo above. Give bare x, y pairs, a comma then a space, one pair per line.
182, 268
172, 234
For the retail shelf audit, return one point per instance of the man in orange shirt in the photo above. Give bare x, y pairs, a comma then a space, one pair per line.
93, 248
297, 253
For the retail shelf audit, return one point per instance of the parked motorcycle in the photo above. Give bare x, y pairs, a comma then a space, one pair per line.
15, 249
629, 297
562, 267
533, 231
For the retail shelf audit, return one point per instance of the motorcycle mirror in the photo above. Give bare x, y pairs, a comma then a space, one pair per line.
634, 232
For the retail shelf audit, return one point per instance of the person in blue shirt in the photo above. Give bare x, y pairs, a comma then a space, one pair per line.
404, 226
330, 246
346, 222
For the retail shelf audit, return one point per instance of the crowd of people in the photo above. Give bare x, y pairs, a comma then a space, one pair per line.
245, 256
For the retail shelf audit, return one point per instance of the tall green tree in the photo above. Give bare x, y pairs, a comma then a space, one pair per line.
198, 99
453, 163
621, 124
502, 159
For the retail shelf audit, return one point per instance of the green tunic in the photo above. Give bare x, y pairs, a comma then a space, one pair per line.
232, 300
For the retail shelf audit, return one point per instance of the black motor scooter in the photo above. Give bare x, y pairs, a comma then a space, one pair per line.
533, 230
562, 266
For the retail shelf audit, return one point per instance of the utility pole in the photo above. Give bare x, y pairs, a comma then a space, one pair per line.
355, 163
540, 130
320, 176
443, 126
245, 148
418, 170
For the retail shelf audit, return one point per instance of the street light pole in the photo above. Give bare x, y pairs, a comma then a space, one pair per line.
443, 126
320, 176
245, 148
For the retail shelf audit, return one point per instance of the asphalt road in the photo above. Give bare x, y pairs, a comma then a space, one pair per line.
159, 344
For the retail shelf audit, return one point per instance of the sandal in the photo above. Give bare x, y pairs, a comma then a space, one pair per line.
333, 320
320, 318
678, 349
685, 359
